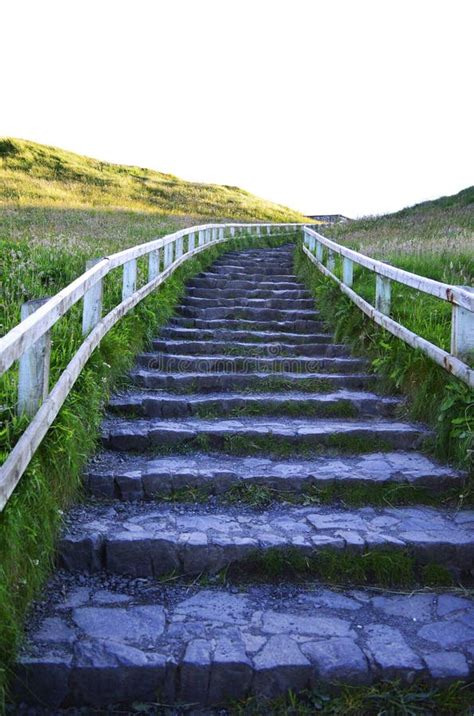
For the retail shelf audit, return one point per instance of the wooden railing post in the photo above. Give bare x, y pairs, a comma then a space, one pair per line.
129, 283
191, 241
319, 252
92, 302
331, 263
221, 233
382, 294
462, 329
168, 255
153, 264
347, 271
201, 238
33, 378
179, 247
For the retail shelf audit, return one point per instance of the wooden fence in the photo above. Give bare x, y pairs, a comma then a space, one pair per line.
322, 252
29, 341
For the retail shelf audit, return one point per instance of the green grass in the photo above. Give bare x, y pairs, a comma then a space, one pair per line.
436, 236
37, 175
259, 495
385, 568
30, 522
382, 699
293, 408
435, 397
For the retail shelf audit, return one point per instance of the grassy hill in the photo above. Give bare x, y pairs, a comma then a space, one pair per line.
58, 209
438, 233
36, 175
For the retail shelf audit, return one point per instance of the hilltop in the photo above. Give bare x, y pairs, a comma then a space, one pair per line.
439, 231
37, 175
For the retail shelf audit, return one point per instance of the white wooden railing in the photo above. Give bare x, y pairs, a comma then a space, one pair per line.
29, 341
322, 252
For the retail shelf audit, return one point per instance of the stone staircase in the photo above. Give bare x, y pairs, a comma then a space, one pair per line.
162, 600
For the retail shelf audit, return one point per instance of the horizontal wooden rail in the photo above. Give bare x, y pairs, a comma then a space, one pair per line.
458, 295
29, 340
315, 246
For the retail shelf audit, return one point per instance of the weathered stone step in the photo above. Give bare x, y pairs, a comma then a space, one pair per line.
239, 259
219, 347
258, 257
210, 382
255, 337
227, 283
264, 434
133, 477
218, 293
294, 326
249, 364
256, 277
257, 272
96, 644
140, 540
291, 304
248, 313
276, 266
171, 405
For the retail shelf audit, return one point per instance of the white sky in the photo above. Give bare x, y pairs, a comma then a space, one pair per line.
357, 106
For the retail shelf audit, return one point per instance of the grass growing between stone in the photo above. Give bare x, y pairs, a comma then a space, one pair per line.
293, 408
384, 699
259, 495
30, 522
272, 445
388, 568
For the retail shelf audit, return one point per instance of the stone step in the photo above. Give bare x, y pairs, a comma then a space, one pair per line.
207, 347
171, 405
267, 435
201, 281
248, 364
96, 643
248, 313
133, 477
284, 304
255, 277
253, 266
144, 540
211, 382
277, 269
218, 293
255, 337
235, 259
294, 326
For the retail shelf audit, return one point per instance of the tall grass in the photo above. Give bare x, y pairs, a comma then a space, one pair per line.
434, 239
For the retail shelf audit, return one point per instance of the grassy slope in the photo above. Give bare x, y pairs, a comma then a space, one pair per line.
434, 239
36, 175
